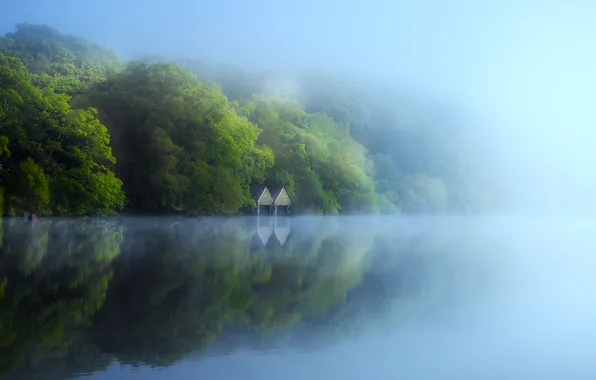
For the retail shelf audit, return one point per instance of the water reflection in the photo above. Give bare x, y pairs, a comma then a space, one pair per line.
54, 280
79, 295
267, 227
152, 291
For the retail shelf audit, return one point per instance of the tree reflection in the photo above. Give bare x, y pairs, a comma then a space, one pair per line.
177, 288
55, 278
153, 291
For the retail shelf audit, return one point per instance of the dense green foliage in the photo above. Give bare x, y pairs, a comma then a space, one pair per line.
183, 145
66, 63
317, 161
180, 147
53, 158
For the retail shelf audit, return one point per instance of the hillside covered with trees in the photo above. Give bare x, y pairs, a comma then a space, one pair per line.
83, 132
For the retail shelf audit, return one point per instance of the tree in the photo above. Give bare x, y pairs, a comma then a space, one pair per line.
322, 168
65, 63
32, 187
180, 147
337, 146
423, 194
66, 149
414, 135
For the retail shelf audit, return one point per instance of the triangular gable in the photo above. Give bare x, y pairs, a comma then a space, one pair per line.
281, 197
261, 195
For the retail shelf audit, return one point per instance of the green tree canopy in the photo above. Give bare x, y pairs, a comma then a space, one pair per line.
323, 169
67, 63
54, 158
180, 147
337, 146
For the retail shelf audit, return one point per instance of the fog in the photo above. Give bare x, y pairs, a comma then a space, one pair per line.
521, 70
463, 298
530, 316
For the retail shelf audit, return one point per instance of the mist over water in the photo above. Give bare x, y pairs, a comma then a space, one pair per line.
323, 297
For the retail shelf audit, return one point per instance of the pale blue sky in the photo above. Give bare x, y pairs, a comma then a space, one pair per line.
528, 65
461, 38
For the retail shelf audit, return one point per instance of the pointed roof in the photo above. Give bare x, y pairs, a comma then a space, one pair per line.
276, 192
256, 191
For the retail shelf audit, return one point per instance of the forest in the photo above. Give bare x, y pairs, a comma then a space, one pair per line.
82, 132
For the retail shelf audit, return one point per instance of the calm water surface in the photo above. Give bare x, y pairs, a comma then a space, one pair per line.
298, 298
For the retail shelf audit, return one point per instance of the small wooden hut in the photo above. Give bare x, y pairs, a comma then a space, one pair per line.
281, 200
262, 197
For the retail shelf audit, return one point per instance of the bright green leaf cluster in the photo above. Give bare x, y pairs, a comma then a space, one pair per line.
54, 158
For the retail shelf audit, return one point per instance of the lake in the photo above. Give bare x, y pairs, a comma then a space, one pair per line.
298, 298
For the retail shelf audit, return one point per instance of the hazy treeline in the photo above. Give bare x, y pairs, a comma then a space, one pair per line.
82, 132
84, 293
